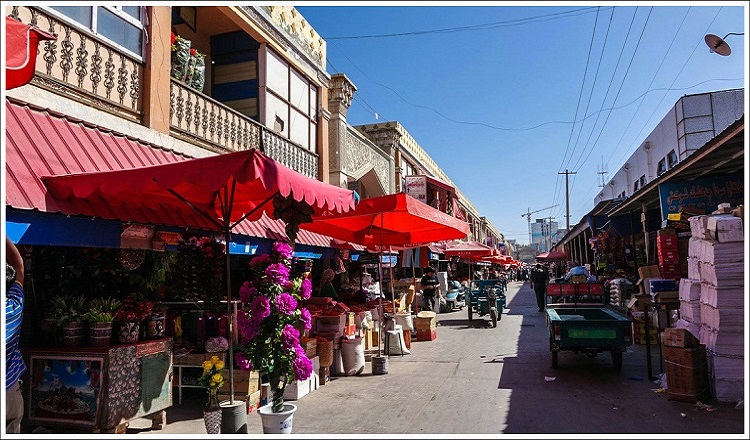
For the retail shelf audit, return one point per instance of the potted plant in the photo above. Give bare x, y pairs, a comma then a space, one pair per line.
66, 312
156, 321
101, 313
270, 323
212, 379
127, 320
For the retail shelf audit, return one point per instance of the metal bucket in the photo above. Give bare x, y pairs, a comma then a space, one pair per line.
379, 365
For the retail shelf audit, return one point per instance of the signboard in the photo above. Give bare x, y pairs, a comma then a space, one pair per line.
416, 186
701, 196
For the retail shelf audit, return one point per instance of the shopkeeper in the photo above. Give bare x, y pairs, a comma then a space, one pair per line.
326, 284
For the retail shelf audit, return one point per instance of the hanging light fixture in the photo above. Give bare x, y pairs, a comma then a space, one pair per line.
718, 45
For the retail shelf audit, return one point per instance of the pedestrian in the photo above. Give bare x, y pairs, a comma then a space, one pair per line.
430, 285
14, 365
326, 284
539, 281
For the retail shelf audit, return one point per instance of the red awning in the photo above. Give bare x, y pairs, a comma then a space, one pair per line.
43, 143
552, 256
21, 41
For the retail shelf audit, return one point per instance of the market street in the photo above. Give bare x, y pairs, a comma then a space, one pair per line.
477, 379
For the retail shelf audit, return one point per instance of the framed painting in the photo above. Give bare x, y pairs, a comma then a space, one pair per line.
65, 390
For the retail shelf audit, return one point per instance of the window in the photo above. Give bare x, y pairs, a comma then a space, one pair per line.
672, 159
622, 195
642, 181
635, 186
121, 25
662, 167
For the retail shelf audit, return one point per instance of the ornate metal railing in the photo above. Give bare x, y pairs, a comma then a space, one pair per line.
84, 67
196, 117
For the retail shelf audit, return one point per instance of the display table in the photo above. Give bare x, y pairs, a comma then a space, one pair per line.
99, 389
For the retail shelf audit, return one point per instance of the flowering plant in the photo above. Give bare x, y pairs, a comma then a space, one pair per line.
271, 320
212, 378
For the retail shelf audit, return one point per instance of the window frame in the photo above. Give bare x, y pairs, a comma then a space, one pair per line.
670, 164
117, 10
661, 167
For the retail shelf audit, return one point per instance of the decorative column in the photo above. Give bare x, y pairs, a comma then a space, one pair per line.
156, 79
340, 93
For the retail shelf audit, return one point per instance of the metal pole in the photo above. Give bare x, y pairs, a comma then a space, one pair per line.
567, 199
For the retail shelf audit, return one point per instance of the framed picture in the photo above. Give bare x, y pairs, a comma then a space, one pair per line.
65, 390
187, 15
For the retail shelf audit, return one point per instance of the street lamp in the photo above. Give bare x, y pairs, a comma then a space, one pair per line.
718, 45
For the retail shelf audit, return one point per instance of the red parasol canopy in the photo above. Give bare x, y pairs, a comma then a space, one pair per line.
21, 41
552, 256
469, 250
390, 220
226, 188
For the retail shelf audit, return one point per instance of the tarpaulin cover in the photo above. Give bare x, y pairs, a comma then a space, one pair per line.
390, 220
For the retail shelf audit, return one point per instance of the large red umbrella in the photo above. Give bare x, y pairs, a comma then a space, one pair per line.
21, 41
552, 256
469, 250
223, 190
393, 220
390, 220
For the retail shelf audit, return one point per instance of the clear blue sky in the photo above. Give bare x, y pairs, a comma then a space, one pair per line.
491, 91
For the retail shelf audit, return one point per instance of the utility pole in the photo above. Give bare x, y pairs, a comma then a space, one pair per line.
567, 199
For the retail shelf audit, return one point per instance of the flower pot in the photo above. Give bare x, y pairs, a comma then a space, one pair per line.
100, 334
233, 417
212, 415
74, 334
277, 423
155, 326
127, 331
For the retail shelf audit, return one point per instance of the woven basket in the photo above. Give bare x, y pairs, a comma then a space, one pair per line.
325, 352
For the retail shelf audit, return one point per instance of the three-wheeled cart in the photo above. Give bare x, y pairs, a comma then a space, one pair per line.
579, 320
486, 297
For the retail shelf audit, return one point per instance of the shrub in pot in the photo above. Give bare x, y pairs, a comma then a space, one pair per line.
67, 313
100, 316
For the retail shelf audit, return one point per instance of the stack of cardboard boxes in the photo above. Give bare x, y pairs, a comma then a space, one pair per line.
685, 366
668, 252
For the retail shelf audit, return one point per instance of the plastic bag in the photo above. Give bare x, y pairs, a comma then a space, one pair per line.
180, 57
199, 73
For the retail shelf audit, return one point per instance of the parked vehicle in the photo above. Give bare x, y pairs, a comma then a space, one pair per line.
455, 296
579, 320
486, 297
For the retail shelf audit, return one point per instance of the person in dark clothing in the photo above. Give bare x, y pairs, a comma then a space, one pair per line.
430, 284
539, 281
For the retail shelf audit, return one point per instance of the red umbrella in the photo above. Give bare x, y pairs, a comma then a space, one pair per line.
390, 220
469, 250
552, 256
393, 220
223, 190
21, 41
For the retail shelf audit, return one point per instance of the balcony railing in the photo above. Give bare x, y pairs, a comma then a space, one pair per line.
198, 118
84, 67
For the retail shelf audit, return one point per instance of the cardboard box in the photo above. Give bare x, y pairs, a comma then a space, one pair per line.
680, 337
300, 388
330, 324
661, 285
192, 359
425, 323
725, 228
245, 382
667, 296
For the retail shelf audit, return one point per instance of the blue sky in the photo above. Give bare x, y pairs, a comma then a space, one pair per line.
491, 91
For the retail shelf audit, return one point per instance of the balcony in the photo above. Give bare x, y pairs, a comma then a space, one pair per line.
85, 67
200, 119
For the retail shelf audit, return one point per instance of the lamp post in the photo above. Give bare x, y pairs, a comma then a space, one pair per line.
719, 45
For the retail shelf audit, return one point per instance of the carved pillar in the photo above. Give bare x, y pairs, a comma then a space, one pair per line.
340, 93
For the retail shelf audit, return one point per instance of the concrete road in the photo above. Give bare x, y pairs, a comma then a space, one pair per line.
476, 379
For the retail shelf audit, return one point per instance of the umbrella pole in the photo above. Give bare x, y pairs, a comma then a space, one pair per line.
230, 316
390, 282
380, 299
414, 281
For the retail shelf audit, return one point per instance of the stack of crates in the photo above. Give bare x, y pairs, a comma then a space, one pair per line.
686, 367
668, 252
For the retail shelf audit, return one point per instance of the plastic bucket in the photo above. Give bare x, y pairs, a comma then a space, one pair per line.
379, 365
233, 417
353, 356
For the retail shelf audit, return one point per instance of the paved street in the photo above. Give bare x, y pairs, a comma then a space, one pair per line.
477, 379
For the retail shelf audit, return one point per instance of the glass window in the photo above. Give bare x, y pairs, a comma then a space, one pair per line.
642, 181
635, 186
662, 167
119, 24
79, 14
118, 30
672, 159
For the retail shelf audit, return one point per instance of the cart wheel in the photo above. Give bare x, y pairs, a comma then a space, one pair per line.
471, 314
554, 359
617, 359
493, 316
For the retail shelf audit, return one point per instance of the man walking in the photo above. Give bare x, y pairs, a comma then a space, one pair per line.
430, 284
539, 281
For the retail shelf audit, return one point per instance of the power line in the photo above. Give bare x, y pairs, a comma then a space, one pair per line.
476, 27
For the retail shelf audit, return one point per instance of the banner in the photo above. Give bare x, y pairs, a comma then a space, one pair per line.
701, 196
